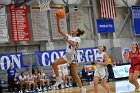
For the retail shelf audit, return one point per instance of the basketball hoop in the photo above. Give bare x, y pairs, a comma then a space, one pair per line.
44, 5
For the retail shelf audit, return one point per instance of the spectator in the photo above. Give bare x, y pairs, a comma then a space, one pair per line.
17, 82
23, 82
110, 70
11, 75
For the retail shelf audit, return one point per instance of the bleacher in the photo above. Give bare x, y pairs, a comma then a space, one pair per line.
47, 70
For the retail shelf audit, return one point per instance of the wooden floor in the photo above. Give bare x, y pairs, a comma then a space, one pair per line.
122, 86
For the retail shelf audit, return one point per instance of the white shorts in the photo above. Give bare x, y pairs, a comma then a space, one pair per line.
60, 74
65, 73
101, 73
70, 58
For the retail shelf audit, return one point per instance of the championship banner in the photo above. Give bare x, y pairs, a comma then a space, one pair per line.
136, 19
39, 24
16, 59
19, 23
3, 25
105, 25
48, 57
54, 27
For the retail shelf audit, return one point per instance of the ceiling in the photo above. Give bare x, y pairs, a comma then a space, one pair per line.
117, 2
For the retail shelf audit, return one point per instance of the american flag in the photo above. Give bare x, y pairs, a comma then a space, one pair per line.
107, 9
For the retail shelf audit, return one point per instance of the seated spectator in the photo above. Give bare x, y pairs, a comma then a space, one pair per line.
23, 82
17, 82
31, 82
42, 80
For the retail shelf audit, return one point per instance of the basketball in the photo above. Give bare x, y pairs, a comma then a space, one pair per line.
60, 14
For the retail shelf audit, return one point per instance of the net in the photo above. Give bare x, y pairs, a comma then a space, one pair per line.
44, 5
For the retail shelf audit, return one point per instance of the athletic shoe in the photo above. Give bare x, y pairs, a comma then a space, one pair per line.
66, 86
26, 91
83, 90
62, 86
21, 91
70, 84
58, 82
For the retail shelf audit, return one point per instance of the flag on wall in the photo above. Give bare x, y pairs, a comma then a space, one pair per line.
107, 9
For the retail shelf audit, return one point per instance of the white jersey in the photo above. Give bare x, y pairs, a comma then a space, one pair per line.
100, 58
70, 49
101, 71
22, 78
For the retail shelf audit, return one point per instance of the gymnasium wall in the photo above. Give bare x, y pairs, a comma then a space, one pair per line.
114, 43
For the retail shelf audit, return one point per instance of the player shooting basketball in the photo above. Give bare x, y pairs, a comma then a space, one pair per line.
70, 57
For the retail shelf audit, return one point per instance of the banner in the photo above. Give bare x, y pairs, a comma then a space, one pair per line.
39, 24
16, 59
121, 71
48, 57
54, 28
105, 25
136, 19
3, 25
19, 23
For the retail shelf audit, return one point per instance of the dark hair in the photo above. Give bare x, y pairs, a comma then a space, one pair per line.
80, 32
137, 47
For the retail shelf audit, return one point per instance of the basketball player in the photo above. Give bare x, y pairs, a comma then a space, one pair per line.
73, 43
101, 69
134, 58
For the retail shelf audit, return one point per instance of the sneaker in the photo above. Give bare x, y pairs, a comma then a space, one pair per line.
45, 89
21, 91
26, 90
70, 85
58, 82
66, 86
49, 88
62, 86
38, 90
57, 88
83, 90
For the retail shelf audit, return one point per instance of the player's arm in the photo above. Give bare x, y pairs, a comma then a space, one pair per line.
73, 44
59, 30
105, 60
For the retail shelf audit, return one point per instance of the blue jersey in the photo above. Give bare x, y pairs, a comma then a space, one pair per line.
11, 72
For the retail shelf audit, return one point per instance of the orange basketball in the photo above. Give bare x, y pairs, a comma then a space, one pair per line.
60, 14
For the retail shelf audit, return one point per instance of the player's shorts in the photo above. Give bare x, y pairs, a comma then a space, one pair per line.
65, 73
102, 73
134, 68
70, 58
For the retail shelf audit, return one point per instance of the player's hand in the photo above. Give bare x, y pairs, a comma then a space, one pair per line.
65, 38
